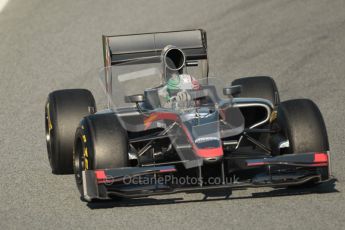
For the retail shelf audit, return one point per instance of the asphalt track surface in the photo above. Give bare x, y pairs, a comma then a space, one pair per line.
48, 45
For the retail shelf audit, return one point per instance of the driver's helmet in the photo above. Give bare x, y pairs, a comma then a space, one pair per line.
180, 82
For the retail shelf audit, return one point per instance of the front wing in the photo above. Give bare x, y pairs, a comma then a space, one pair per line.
304, 167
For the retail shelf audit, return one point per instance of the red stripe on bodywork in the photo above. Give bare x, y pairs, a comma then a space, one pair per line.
100, 175
167, 170
256, 164
320, 157
159, 116
209, 152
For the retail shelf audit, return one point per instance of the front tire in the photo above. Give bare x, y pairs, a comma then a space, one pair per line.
100, 142
63, 111
301, 122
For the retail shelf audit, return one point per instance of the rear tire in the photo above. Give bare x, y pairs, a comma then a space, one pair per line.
63, 111
100, 142
258, 87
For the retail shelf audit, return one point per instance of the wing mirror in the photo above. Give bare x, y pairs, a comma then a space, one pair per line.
136, 98
232, 90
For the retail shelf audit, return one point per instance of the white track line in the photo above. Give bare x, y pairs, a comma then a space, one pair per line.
3, 3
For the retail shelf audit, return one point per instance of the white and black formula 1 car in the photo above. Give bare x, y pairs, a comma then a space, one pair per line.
170, 128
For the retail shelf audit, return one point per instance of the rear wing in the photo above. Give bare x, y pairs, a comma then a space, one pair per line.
126, 48
122, 48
